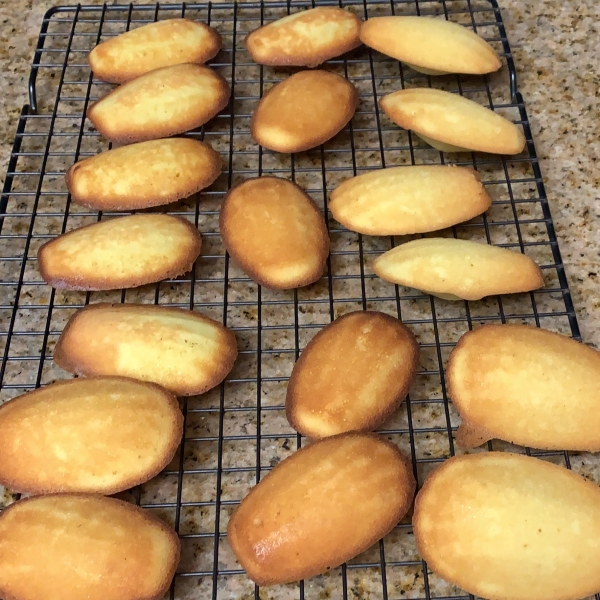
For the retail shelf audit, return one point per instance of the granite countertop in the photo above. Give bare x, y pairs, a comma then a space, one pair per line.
557, 59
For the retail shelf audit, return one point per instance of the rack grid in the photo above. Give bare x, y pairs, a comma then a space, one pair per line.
238, 431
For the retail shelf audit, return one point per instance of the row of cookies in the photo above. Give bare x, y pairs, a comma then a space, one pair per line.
307, 38
70, 443
158, 63
496, 524
517, 383
309, 108
121, 424
142, 248
277, 235
273, 229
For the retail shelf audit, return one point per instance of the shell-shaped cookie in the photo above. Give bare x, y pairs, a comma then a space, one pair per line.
74, 546
323, 505
101, 435
510, 527
458, 269
143, 175
303, 111
181, 350
120, 253
407, 200
352, 375
432, 44
275, 232
160, 104
305, 39
527, 386
452, 120
153, 46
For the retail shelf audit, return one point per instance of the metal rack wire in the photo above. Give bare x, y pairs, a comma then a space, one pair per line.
237, 432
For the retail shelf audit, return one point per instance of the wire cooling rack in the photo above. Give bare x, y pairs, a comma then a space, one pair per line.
237, 432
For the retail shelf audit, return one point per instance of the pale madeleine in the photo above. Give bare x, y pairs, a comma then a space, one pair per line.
303, 111
430, 45
120, 253
75, 546
510, 527
99, 434
306, 38
160, 104
458, 269
527, 386
325, 504
452, 123
275, 232
153, 46
352, 375
143, 175
407, 200
182, 350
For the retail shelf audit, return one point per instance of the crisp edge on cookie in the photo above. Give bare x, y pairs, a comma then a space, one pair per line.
312, 142
127, 136
332, 562
291, 399
69, 363
184, 265
126, 484
246, 267
135, 203
306, 59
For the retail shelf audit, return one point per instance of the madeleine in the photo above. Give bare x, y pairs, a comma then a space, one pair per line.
295, 523
101, 435
160, 104
73, 546
143, 175
510, 527
432, 46
458, 269
407, 200
451, 123
306, 38
275, 232
120, 253
352, 375
153, 46
527, 386
182, 350
303, 111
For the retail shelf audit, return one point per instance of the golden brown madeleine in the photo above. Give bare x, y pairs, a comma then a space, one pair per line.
74, 546
352, 375
527, 386
153, 46
275, 232
160, 104
306, 38
323, 505
120, 253
451, 123
431, 45
407, 200
181, 350
101, 435
458, 269
510, 527
143, 175
303, 111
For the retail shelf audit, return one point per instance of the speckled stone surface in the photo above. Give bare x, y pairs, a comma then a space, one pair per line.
554, 45
557, 58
